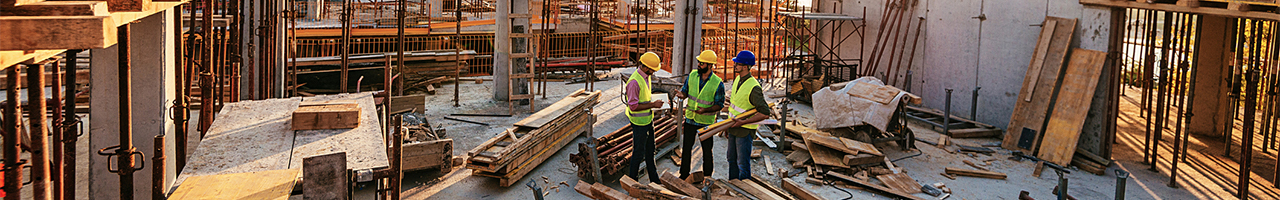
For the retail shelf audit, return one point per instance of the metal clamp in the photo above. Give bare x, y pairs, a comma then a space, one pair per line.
132, 152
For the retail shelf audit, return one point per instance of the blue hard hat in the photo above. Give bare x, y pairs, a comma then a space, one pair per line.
746, 58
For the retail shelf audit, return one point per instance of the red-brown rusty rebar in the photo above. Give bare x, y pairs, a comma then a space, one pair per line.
12, 168
69, 123
125, 151
55, 144
38, 132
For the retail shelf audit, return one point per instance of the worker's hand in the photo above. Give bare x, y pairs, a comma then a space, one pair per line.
681, 95
658, 103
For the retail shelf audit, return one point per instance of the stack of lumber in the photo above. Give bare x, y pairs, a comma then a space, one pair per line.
614, 149
514, 153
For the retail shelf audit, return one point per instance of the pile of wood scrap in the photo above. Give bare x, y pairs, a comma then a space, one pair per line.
518, 150
614, 149
1053, 109
669, 187
425, 147
828, 157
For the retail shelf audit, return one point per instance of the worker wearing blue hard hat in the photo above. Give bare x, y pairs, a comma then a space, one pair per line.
744, 94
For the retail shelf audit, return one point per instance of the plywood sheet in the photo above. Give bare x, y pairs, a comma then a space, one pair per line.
275, 184
1074, 98
1029, 116
363, 144
227, 147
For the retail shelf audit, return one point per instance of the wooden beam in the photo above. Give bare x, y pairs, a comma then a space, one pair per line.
674, 183
800, 192
975, 173
128, 5
56, 32
59, 8
1184, 9
605, 193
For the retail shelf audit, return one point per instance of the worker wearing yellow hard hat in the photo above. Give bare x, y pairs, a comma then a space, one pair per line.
639, 106
705, 93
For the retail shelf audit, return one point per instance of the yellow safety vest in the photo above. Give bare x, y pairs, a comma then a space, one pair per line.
701, 96
643, 117
740, 98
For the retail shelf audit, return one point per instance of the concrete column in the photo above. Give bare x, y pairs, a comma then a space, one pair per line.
1212, 86
688, 40
315, 7
504, 46
251, 47
152, 88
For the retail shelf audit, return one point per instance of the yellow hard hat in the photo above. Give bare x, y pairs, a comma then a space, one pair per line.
708, 56
651, 60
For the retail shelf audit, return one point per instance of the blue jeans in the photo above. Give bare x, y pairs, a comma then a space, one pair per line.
642, 151
739, 157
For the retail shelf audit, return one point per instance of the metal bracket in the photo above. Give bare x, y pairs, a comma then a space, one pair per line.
130, 152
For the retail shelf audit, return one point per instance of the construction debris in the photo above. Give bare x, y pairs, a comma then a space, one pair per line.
975, 173
614, 149
523, 147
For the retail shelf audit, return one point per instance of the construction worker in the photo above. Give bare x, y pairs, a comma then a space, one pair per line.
744, 94
638, 111
705, 93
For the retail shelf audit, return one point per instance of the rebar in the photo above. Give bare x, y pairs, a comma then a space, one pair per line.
12, 168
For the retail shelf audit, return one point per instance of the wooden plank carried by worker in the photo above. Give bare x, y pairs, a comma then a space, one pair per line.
1074, 98
325, 176
975, 173
900, 182
274, 184
1031, 110
339, 114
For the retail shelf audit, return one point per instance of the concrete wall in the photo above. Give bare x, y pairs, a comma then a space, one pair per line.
962, 51
152, 89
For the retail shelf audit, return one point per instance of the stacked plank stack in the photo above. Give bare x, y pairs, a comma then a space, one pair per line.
614, 149
514, 153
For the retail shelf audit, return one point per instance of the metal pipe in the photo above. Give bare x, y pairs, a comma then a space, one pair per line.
12, 168
180, 110
973, 105
38, 133
206, 68
157, 168
1122, 178
457, 36
1246, 148
346, 41
946, 116
70, 120
125, 151
55, 144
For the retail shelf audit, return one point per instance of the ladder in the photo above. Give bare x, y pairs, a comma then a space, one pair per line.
521, 46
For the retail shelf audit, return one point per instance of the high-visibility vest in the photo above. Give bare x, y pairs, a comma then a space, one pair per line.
642, 117
740, 98
702, 97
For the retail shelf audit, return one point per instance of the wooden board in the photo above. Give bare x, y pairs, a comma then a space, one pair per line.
830, 142
800, 192
799, 156
770, 188
975, 173
869, 185
226, 149
900, 182
862, 147
878, 93
274, 184
540, 118
1072, 106
1029, 116
325, 176
862, 159
409, 103
826, 156
326, 115
429, 154
755, 190
605, 193
584, 188
671, 181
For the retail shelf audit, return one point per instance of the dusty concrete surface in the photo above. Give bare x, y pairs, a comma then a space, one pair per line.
925, 168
